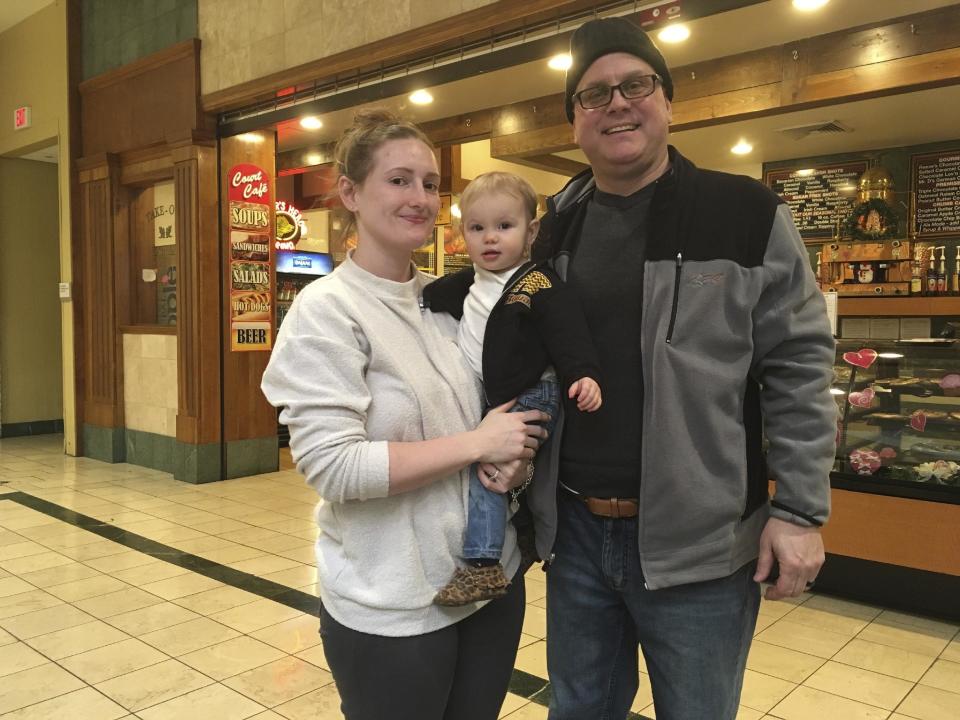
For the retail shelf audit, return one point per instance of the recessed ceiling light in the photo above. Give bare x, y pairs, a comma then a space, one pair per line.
808, 5
311, 122
563, 61
674, 33
421, 97
742, 148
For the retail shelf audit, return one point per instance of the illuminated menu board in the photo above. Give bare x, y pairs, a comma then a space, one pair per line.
935, 178
819, 197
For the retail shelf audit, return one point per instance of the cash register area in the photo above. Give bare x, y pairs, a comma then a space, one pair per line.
126, 594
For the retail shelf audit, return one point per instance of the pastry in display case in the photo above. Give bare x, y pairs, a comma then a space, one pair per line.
899, 415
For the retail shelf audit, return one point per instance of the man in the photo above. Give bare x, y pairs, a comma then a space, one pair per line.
652, 514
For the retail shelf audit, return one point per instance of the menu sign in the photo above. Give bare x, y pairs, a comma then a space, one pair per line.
251, 306
935, 179
819, 197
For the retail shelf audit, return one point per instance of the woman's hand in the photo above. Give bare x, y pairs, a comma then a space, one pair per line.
504, 436
501, 477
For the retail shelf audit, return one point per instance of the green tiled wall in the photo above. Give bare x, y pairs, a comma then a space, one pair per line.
117, 32
190, 463
252, 457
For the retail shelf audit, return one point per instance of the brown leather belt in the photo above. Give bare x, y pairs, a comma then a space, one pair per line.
608, 507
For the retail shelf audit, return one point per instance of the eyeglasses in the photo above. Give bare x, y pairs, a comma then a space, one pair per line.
639, 86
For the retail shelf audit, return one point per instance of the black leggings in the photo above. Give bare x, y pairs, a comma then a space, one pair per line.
460, 672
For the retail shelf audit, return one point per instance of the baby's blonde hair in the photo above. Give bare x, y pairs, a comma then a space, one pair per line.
502, 182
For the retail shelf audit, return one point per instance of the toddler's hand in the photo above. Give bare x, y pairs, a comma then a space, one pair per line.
587, 393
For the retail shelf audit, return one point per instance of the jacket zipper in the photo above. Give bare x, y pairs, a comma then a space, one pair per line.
676, 297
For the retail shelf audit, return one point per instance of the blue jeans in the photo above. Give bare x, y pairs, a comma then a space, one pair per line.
487, 510
694, 637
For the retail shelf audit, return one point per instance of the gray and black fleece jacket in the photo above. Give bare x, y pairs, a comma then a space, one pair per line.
735, 345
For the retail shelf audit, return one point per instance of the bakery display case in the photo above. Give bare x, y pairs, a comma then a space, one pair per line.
894, 532
898, 405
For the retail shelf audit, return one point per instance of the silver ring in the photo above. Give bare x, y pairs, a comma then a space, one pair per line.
496, 474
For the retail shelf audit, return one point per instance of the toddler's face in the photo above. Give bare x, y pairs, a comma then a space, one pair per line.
498, 231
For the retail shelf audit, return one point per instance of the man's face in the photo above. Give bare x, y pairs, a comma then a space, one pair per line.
627, 138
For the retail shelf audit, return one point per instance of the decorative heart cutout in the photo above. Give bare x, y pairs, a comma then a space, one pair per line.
918, 421
863, 398
862, 359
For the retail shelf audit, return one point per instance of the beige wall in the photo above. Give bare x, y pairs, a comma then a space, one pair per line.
244, 40
475, 159
33, 58
150, 383
30, 368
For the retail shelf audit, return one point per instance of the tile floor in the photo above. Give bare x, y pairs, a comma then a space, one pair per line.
98, 628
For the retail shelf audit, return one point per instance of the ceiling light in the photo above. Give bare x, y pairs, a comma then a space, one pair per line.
311, 122
250, 137
674, 33
563, 61
890, 355
421, 97
742, 148
837, 391
808, 5
314, 159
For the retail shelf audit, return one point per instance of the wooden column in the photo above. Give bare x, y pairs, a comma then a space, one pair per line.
198, 450
102, 216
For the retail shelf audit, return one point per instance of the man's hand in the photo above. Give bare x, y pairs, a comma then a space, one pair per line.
798, 549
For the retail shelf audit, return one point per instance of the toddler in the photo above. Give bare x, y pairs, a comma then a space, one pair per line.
523, 332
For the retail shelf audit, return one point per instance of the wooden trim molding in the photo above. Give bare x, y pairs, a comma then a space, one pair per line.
148, 330
184, 49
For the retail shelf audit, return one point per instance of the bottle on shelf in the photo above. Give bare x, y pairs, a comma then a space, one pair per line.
916, 269
942, 272
880, 273
932, 273
955, 282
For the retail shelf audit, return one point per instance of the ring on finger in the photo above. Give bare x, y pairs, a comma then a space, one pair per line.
496, 474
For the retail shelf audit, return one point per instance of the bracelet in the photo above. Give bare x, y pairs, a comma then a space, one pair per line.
515, 492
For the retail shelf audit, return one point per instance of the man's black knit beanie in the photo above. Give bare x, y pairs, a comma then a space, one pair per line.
597, 38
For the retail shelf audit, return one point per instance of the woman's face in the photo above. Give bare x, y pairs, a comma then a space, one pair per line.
396, 205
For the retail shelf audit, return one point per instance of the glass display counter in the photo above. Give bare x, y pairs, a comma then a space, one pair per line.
899, 417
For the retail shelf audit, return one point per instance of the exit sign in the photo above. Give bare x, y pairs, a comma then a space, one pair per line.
21, 118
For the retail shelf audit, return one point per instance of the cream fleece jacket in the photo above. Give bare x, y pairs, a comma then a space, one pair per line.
357, 364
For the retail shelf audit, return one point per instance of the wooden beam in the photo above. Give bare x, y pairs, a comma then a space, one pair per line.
533, 142
552, 163
900, 56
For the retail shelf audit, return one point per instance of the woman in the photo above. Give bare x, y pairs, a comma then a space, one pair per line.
385, 419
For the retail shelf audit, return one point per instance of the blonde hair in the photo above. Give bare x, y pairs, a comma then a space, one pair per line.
500, 182
356, 148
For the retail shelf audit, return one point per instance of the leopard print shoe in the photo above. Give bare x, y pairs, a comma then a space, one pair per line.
472, 584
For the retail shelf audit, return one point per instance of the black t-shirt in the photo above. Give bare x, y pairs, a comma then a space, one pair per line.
600, 456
